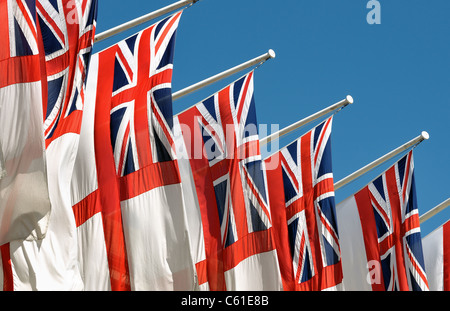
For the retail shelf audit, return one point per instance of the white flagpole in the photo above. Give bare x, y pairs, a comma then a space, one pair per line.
190, 89
348, 100
439, 208
140, 20
423, 136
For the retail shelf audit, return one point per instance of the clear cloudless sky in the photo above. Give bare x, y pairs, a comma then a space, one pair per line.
398, 73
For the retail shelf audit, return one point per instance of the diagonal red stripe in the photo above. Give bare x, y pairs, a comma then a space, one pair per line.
55, 28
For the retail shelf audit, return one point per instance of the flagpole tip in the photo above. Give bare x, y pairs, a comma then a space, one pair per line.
349, 99
425, 135
271, 53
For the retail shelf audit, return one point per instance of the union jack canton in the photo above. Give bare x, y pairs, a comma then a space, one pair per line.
68, 28
133, 111
20, 37
393, 200
134, 145
303, 205
232, 187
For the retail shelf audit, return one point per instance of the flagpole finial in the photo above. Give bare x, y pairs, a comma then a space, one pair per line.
143, 19
349, 99
257, 61
412, 143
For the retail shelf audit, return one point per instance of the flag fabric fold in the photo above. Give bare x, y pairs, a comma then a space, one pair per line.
24, 195
2, 164
436, 251
380, 233
65, 31
126, 189
300, 180
226, 195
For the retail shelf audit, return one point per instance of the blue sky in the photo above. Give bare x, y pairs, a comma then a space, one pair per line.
397, 72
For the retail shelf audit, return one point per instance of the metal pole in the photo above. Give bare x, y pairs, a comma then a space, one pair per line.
140, 20
423, 136
434, 211
348, 100
223, 75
